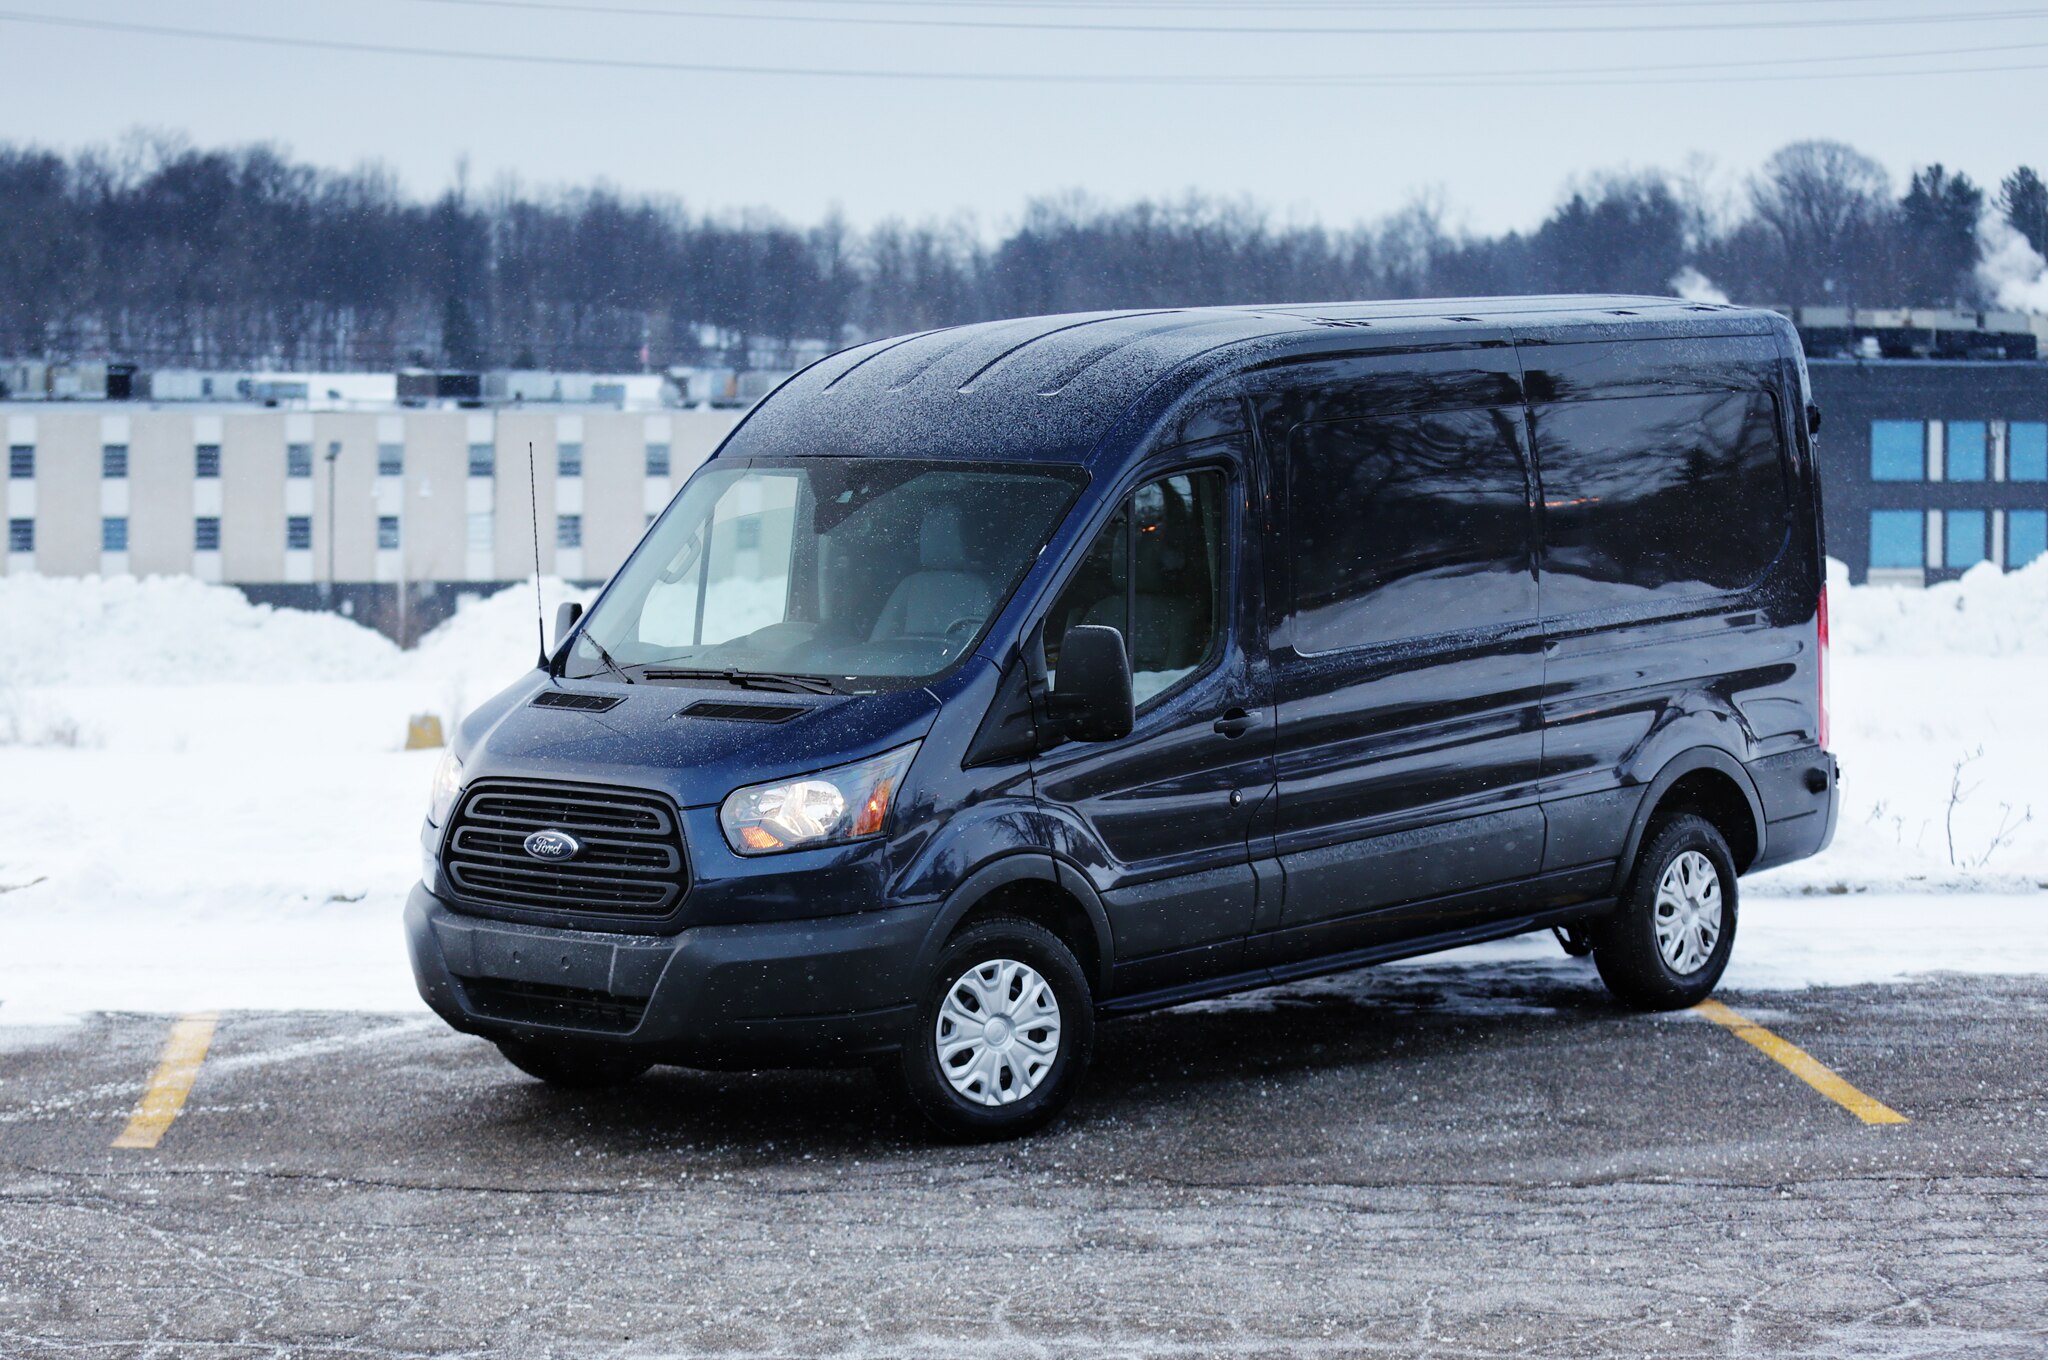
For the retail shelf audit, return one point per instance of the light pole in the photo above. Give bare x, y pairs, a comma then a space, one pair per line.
333, 453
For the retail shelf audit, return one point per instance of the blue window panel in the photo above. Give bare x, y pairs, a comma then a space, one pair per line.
387, 532
298, 531
657, 460
569, 460
21, 535
206, 461
114, 534
2026, 451
114, 461
2026, 536
298, 460
1898, 538
1966, 460
483, 460
21, 460
206, 534
1963, 538
568, 531
1898, 451
391, 460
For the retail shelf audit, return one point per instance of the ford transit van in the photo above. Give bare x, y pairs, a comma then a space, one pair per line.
990, 683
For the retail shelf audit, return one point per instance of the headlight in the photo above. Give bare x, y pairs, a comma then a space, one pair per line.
447, 783
827, 808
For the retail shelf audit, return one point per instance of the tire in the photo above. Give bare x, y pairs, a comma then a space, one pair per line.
1668, 942
975, 1088
573, 1066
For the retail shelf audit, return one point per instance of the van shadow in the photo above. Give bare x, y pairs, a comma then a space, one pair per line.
1147, 1069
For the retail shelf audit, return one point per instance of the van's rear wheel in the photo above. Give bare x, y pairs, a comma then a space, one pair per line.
571, 1065
1003, 1033
1668, 942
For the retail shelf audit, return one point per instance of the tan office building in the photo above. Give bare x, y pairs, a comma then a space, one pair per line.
300, 507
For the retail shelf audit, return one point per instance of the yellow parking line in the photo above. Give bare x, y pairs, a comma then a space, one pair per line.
1802, 1065
175, 1071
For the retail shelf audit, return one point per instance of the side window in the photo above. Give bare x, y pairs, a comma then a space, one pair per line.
1404, 526
1658, 497
1155, 573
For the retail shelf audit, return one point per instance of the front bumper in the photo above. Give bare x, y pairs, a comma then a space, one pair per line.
806, 993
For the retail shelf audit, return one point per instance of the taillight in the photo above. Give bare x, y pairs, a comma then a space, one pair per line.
1823, 666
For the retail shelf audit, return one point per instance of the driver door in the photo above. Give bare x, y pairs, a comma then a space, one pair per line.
1160, 820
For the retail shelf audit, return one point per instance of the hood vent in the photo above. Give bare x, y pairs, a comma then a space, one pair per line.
732, 712
581, 703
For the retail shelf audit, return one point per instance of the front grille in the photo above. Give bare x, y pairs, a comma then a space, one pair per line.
631, 864
539, 1003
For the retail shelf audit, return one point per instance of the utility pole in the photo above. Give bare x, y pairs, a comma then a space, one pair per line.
333, 453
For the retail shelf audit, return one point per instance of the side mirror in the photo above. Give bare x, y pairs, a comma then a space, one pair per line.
565, 619
1812, 418
1093, 698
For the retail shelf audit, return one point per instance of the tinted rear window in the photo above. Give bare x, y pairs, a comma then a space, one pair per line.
1647, 497
1405, 526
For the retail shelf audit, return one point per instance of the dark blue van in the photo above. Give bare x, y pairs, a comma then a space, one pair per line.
994, 681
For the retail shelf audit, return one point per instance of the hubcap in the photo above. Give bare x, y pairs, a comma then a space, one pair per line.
998, 1032
1688, 912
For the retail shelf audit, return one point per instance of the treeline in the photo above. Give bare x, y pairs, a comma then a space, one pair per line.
167, 255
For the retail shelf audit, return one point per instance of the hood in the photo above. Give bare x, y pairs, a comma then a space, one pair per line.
670, 738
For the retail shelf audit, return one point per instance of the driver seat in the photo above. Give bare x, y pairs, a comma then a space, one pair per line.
943, 590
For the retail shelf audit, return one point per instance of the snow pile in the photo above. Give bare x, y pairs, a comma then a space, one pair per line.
215, 793
1987, 613
171, 630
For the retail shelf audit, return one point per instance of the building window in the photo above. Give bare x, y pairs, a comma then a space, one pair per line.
1898, 538
569, 460
2026, 451
387, 532
568, 531
298, 532
114, 534
657, 460
298, 460
391, 460
113, 460
2026, 536
1967, 459
21, 535
206, 534
21, 460
1964, 536
480, 532
206, 460
1898, 451
483, 460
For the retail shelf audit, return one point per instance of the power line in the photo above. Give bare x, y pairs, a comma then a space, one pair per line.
1256, 30
1206, 80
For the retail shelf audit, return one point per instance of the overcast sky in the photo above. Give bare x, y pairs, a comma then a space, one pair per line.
1349, 125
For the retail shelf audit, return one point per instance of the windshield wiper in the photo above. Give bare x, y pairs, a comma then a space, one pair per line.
602, 655
785, 682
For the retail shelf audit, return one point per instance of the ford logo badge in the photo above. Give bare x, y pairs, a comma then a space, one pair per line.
553, 845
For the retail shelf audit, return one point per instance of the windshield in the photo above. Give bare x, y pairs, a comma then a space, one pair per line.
868, 572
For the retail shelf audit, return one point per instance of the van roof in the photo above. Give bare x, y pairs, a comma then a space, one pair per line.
1051, 387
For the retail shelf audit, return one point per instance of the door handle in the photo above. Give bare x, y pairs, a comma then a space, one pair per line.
1237, 722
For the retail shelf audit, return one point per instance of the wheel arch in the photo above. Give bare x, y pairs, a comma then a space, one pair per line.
1708, 781
1032, 886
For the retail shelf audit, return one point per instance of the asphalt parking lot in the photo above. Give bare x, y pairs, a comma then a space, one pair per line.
1421, 1161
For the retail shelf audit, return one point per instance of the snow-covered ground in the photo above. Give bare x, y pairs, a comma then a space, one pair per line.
205, 803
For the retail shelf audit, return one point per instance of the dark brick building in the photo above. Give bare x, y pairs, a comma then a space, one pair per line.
1931, 466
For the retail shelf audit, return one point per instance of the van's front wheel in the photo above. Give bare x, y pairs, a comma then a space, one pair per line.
1669, 940
1003, 1034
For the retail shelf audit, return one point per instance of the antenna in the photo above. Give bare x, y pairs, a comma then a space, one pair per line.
540, 608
